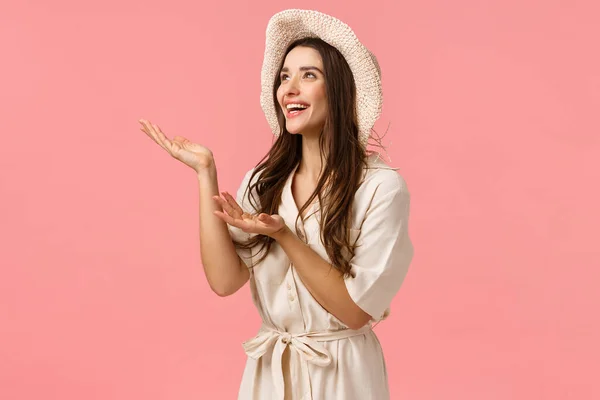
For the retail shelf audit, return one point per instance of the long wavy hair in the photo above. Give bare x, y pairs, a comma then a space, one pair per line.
344, 161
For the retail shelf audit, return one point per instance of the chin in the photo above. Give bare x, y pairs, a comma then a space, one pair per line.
293, 131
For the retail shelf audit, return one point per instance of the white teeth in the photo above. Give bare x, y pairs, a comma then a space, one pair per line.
296, 106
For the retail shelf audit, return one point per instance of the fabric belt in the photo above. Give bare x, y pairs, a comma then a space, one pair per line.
304, 343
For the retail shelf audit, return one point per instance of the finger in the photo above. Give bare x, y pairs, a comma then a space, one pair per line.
173, 147
264, 217
224, 217
181, 139
231, 206
160, 134
163, 138
144, 129
150, 132
147, 132
156, 136
227, 207
233, 203
239, 223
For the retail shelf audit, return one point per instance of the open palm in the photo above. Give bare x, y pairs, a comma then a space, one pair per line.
262, 224
191, 154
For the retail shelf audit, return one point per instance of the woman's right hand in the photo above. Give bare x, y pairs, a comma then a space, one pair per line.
191, 154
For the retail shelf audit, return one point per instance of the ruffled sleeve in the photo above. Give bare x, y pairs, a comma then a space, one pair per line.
383, 253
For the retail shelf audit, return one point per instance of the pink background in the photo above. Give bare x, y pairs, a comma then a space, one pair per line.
493, 107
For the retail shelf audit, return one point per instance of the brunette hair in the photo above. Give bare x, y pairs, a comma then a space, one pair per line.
343, 164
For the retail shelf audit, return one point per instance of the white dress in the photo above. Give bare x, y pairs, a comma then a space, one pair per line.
302, 351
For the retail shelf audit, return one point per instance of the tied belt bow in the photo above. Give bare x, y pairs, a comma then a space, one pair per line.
306, 344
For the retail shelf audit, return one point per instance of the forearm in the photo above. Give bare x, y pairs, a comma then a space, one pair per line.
219, 258
324, 282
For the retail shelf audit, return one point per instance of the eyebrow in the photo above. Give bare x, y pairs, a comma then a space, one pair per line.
305, 68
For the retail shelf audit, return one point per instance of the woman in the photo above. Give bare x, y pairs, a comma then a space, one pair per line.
319, 227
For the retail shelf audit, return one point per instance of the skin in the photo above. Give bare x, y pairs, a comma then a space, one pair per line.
308, 87
324, 282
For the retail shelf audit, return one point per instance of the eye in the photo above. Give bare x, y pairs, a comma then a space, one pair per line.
283, 76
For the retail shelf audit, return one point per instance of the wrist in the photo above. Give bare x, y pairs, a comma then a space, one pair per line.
208, 171
281, 234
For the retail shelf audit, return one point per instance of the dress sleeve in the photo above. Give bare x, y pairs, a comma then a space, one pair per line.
383, 253
242, 198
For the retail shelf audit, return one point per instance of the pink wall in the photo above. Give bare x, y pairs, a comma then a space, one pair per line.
493, 109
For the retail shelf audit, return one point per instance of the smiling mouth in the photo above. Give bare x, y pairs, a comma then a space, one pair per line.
293, 113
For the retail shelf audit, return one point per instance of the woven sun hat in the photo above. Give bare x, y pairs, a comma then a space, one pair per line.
289, 25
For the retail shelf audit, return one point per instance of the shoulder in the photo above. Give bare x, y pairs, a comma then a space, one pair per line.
248, 199
248, 176
381, 179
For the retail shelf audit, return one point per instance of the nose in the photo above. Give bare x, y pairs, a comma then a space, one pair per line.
291, 87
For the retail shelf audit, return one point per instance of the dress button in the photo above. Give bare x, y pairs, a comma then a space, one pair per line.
289, 286
291, 297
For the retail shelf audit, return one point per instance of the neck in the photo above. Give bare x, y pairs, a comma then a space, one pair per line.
311, 161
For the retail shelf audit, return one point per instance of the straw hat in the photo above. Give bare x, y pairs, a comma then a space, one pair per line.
289, 25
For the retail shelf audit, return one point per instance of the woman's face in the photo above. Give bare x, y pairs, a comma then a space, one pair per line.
302, 82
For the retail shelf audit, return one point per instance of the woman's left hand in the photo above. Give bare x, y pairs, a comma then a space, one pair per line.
262, 224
